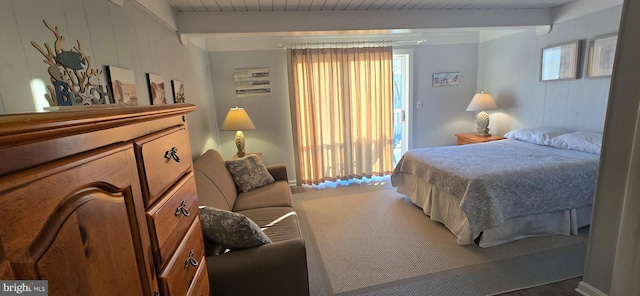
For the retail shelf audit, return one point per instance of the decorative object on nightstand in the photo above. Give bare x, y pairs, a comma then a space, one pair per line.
481, 102
472, 138
237, 120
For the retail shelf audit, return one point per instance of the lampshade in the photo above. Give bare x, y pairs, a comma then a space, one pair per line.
237, 119
482, 101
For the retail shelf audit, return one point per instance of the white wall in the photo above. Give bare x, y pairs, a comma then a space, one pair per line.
127, 37
270, 113
441, 116
443, 107
509, 68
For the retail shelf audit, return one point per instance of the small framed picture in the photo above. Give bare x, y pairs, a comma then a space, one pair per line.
156, 89
447, 78
178, 91
560, 61
123, 86
602, 50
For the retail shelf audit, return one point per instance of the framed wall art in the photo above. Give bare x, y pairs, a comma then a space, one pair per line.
156, 89
560, 61
447, 78
601, 51
178, 91
123, 86
252, 82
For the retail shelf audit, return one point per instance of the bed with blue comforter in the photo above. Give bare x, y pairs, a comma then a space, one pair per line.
499, 191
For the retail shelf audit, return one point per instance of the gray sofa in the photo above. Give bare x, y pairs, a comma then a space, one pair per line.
279, 268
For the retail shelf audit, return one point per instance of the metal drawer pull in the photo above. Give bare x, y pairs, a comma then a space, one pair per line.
173, 153
182, 209
191, 260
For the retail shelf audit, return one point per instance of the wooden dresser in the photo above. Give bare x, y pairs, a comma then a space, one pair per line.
101, 201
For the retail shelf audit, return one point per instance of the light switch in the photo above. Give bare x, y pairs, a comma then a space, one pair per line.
419, 104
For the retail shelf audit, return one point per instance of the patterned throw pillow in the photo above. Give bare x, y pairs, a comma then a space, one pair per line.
231, 230
249, 173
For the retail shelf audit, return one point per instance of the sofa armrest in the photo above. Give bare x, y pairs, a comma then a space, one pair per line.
278, 268
278, 171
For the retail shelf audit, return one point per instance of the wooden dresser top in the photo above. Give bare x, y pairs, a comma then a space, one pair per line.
70, 131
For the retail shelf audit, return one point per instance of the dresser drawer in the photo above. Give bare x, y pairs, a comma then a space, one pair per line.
200, 285
170, 218
163, 158
179, 273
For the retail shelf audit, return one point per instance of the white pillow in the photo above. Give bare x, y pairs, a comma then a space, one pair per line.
540, 135
580, 141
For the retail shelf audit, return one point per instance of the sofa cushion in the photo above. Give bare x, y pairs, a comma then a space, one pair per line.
249, 173
231, 230
276, 194
274, 269
214, 183
279, 223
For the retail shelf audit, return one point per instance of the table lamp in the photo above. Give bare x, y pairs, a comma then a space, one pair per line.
482, 101
237, 120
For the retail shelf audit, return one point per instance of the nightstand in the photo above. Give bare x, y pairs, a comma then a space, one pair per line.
471, 138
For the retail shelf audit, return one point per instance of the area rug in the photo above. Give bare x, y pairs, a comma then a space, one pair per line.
371, 240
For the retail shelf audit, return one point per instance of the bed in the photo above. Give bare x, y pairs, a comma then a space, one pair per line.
495, 192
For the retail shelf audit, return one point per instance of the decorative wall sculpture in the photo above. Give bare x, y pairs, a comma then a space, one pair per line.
73, 80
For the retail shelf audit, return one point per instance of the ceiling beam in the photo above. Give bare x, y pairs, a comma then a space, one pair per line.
580, 8
160, 8
228, 24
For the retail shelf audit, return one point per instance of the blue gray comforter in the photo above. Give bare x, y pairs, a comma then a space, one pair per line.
498, 180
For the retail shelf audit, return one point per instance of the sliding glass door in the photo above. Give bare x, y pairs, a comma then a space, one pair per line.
402, 91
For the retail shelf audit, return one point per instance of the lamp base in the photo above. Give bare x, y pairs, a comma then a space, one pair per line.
482, 122
240, 144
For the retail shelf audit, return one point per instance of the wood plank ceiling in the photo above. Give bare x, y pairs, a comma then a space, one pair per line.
333, 5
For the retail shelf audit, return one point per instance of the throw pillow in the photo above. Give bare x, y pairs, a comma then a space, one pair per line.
231, 230
249, 173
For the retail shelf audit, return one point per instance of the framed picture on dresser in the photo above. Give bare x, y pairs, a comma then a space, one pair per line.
156, 89
123, 86
178, 91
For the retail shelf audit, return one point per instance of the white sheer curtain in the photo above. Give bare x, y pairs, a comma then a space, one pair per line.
341, 105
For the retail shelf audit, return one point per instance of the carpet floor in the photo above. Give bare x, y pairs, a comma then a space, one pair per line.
371, 240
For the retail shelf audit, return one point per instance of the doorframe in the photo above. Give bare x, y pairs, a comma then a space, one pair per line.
407, 128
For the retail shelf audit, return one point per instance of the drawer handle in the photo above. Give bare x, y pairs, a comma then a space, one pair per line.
173, 153
191, 260
182, 209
